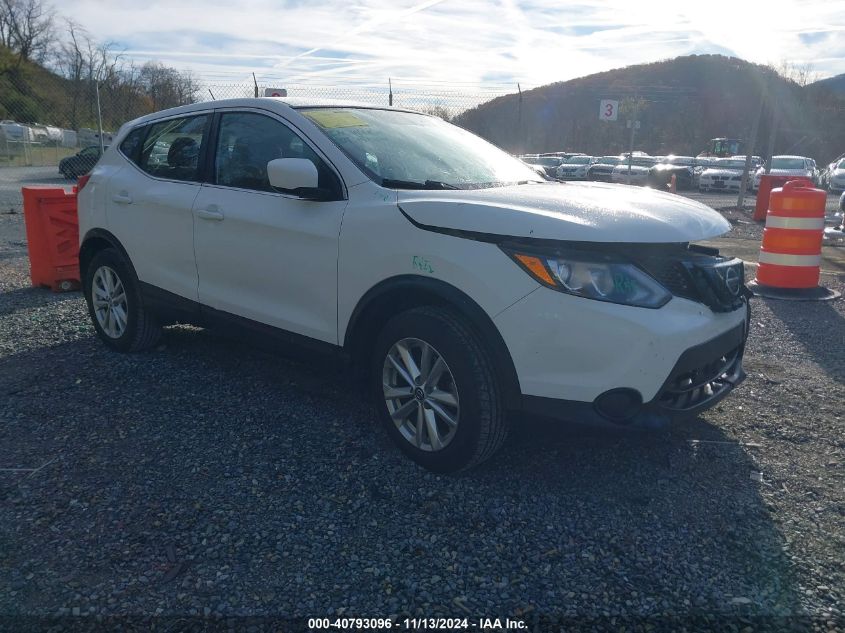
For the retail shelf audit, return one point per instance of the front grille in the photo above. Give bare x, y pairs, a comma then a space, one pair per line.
715, 281
672, 276
694, 388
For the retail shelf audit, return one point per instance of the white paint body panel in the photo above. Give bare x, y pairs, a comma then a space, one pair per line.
582, 212
575, 349
378, 243
304, 266
272, 259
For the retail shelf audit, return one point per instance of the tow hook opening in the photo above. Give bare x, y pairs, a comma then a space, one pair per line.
620, 406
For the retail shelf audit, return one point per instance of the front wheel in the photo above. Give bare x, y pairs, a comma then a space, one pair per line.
115, 306
435, 390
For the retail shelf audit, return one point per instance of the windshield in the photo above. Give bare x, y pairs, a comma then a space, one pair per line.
729, 163
787, 163
408, 150
609, 160
578, 160
548, 161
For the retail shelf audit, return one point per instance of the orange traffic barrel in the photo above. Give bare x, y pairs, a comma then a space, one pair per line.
790, 255
764, 190
52, 235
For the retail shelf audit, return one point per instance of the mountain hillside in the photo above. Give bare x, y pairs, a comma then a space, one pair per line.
29, 92
834, 84
680, 103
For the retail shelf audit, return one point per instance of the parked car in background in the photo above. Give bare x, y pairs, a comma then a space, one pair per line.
80, 163
16, 132
575, 168
684, 168
789, 166
549, 163
638, 173
725, 174
835, 178
489, 290
46, 133
756, 161
563, 155
531, 161
602, 168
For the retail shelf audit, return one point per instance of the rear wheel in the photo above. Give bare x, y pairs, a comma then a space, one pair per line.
114, 303
435, 390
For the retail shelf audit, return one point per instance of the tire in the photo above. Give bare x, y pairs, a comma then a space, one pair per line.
140, 330
480, 426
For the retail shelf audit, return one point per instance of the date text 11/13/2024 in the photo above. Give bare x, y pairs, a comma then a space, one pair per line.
416, 624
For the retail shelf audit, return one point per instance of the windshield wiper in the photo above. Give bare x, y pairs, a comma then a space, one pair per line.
392, 183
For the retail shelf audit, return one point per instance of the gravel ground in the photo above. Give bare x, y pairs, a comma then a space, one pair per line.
208, 478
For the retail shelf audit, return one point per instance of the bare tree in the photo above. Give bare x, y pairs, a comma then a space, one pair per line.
802, 74
168, 87
84, 63
27, 28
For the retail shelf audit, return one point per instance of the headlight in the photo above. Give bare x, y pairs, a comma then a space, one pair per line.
592, 276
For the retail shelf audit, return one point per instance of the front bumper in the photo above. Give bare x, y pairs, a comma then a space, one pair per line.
702, 377
570, 352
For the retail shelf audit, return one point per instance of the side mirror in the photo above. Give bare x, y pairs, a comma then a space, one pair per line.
294, 175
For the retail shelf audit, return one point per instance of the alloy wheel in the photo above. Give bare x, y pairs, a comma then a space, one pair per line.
109, 298
421, 394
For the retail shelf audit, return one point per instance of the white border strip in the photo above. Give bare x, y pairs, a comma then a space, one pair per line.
805, 224
789, 260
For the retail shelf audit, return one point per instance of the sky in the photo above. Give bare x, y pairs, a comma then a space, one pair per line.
458, 42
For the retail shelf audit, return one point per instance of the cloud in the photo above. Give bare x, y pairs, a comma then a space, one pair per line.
466, 42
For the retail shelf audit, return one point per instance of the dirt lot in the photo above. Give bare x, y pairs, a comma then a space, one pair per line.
214, 480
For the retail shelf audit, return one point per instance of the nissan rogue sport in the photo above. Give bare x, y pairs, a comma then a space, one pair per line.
464, 286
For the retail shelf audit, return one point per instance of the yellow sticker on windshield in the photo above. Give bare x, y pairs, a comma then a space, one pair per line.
335, 118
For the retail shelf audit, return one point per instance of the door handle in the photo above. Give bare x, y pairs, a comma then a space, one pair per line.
122, 198
211, 212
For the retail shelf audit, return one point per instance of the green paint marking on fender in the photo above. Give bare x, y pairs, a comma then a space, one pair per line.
422, 264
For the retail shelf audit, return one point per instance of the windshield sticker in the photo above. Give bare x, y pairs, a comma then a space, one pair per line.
330, 119
422, 264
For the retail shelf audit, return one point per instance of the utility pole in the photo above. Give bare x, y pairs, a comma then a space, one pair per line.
390, 95
749, 150
255, 81
100, 121
633, 125
520, 144
770, 149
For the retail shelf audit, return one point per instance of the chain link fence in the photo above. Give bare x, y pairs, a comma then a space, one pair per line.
41, 132
50, 128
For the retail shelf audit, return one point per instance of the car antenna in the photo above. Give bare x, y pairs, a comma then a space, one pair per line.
212, 95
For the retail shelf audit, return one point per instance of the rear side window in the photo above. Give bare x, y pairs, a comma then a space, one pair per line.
172, 148
133, 143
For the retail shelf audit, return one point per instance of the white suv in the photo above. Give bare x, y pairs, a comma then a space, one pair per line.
464, 286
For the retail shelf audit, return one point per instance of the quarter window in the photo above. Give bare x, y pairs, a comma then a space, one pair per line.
248, 141
172, 148
133, 144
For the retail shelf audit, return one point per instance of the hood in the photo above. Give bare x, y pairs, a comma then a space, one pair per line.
582, 212
722, 172
634, 168
789, 172
664, 167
